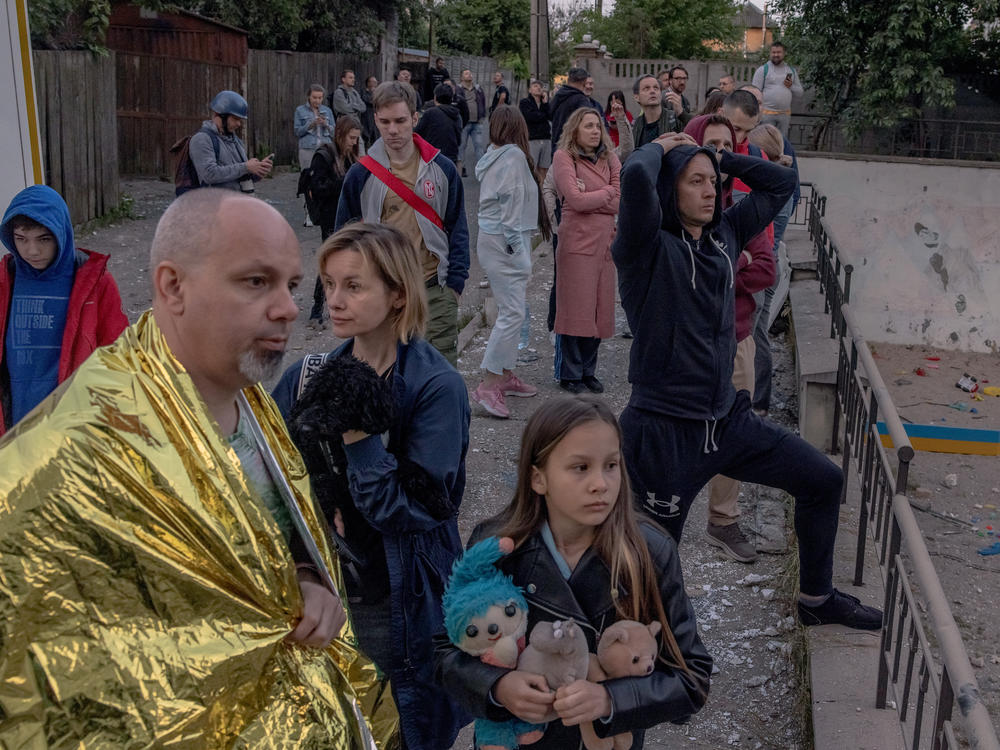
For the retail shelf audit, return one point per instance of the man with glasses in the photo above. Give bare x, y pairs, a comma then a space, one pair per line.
677, 80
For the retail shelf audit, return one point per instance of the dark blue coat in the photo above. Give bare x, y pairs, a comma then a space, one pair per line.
431, 428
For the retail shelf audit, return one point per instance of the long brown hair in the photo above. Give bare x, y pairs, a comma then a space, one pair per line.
567, 141
507, 125
345, 155
618, 541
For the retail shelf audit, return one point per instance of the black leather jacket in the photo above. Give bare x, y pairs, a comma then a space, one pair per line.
639, 702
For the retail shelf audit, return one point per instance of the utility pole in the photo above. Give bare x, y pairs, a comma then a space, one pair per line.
540, 40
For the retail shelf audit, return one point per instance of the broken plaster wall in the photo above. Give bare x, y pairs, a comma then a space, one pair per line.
924, 239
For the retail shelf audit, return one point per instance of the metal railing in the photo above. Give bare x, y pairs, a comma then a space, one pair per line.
923, 663
803, 209
977, 140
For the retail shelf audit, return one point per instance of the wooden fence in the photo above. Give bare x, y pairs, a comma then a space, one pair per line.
161, 99
277, 84
102, 117
76, 114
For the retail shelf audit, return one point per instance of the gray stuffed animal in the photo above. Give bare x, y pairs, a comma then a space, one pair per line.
558, 652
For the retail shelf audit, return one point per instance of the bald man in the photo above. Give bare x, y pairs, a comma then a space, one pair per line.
152, 504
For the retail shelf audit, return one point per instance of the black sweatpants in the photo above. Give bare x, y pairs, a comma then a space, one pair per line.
669, 460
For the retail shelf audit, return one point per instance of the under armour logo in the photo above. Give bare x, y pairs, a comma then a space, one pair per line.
671, 507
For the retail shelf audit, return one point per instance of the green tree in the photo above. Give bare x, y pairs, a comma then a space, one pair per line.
876, 65
315, 25
492, 28
661, 28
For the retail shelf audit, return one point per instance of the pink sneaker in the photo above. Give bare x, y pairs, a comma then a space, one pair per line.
492, 400
512, 385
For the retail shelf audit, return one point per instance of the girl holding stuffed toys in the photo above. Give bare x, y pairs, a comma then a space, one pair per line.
580, 554
383, 426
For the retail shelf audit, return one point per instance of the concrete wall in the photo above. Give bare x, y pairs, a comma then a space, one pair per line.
924, 239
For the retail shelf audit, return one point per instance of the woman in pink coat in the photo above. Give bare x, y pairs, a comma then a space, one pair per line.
586, 173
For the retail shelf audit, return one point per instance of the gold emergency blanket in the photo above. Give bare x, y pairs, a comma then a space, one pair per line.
145, 589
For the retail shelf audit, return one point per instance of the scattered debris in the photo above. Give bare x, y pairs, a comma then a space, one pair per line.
967, 383
751, 578
950, 480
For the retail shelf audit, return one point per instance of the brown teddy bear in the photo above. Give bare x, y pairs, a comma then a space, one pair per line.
626, 649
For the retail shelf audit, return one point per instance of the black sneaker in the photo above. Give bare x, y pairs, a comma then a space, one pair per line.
593, 384
573, 386
842, 609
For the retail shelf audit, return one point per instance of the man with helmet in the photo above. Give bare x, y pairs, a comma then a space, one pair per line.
218, 154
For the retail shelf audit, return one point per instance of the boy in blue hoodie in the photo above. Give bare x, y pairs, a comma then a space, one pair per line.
57, 303
676, 251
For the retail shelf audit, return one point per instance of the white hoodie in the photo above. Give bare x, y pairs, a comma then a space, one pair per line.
508, 196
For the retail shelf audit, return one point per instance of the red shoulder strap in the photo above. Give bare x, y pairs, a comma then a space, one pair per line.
396, 185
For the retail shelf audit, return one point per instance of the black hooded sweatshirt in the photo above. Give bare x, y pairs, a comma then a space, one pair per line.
677, 292
441, 126
565, 102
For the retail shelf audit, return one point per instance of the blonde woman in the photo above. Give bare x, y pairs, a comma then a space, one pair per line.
586, 172
383, 426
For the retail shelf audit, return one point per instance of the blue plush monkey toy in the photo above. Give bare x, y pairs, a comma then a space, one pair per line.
486, 615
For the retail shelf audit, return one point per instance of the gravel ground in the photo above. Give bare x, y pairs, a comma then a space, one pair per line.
757, 699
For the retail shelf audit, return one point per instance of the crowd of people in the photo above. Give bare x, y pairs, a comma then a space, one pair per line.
188, 557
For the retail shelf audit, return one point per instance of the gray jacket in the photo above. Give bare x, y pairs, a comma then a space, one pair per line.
347, 101
231, 166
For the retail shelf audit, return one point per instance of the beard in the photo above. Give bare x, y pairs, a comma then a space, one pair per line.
260, 366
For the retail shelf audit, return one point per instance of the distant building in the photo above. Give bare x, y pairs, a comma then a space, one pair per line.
756, 31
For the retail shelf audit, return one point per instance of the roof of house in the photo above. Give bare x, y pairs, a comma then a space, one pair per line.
749, 16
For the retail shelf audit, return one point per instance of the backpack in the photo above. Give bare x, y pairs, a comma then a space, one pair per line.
185, 174
305, 185
764, 82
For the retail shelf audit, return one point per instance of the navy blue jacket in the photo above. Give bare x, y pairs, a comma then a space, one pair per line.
677, 292
431, 428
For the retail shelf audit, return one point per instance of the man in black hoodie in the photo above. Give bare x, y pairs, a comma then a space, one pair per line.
441, 125
676, 252
568, 100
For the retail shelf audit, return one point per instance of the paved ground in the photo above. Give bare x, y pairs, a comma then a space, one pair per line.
757, 698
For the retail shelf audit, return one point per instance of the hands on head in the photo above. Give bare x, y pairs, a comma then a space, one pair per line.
668, 141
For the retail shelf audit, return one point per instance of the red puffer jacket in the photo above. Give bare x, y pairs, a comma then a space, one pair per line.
94, 317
